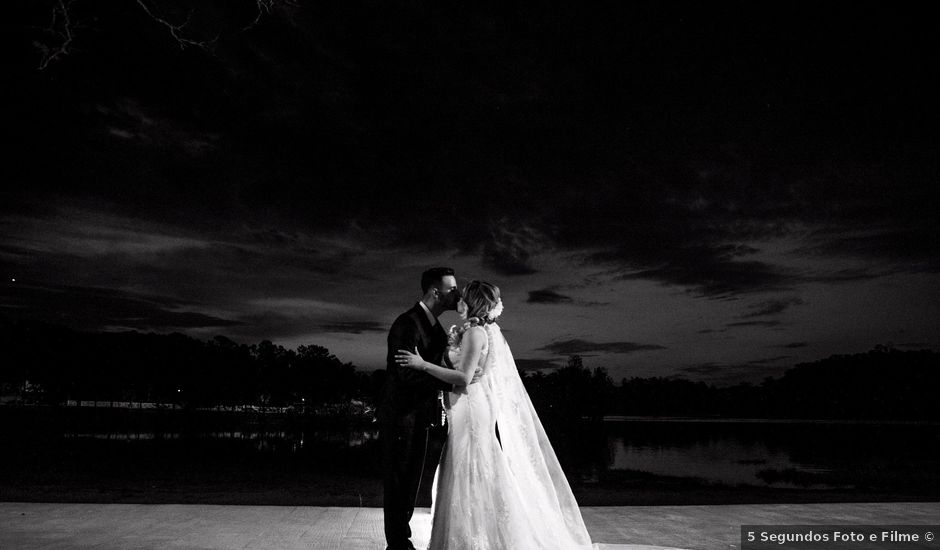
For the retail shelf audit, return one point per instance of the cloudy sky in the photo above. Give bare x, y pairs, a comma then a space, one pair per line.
715, 192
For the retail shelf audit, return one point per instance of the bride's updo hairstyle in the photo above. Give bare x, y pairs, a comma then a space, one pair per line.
481, 298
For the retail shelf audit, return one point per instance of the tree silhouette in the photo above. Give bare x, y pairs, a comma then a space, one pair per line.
52, 364
172, 368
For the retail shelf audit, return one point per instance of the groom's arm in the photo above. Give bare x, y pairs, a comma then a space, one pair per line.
450, 364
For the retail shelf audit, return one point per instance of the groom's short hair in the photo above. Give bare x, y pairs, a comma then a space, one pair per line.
434, 275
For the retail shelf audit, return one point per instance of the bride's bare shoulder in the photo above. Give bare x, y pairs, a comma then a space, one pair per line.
475, 336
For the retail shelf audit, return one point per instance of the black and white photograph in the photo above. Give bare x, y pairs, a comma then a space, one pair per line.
345, 274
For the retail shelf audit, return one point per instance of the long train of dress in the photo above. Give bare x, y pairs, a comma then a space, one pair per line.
421, 530
505, 493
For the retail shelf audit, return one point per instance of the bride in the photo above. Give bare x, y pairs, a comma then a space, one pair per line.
499, 484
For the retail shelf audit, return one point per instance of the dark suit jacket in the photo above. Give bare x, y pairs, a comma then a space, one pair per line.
411, 393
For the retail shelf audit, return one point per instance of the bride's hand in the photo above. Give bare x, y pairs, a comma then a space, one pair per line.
408, 359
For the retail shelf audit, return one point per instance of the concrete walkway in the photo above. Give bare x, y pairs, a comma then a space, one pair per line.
34, 526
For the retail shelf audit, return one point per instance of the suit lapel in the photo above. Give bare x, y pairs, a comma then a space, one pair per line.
433, 335
423, 324
440, 332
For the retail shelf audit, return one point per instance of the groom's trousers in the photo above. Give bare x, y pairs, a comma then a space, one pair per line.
404, 446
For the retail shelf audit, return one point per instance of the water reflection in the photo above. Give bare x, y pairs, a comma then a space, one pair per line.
780, 454
774, 455
718, 460
265, 439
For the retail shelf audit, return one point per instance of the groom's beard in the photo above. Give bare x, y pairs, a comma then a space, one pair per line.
449, 303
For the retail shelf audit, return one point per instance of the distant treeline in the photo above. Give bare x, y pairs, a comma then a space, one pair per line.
45, 363
882, 384
61, 364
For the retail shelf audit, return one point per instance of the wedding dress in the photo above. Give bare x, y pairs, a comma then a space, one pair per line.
506, 493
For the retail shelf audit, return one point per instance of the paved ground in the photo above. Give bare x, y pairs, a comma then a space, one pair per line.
34, 526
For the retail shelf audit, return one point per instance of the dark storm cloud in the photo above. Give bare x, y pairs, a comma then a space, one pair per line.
772, 307
850, 275
353, 327
536, 364
15, 251
277, 320
754, 324
300, 258
506, 260
768, 360
713, 271
547, 296
902, 234
509, 252
794, 345
704, 368
100, 308
552, 149
705, 237
646, 148
916, 345
123, 251
721, 374
714, 277
263, 279
551, 296
578, 346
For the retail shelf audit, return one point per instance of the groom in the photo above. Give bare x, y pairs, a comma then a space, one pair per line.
410, 405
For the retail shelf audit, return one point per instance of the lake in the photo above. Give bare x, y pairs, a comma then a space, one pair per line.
782, 453
174, 449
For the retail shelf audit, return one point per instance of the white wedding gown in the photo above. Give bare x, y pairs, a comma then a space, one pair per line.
492, 496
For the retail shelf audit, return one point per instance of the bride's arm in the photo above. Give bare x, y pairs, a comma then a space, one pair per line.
472, 346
